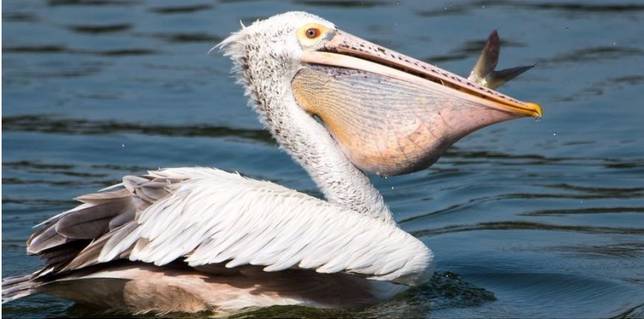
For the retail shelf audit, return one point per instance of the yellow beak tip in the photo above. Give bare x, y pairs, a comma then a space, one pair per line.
536, 108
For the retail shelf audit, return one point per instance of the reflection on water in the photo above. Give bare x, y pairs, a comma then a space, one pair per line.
81, 126
526, 219
558, 8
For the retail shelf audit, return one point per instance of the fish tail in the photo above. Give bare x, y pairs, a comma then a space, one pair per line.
484, 72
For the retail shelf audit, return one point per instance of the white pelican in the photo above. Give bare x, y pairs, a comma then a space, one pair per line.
201, 239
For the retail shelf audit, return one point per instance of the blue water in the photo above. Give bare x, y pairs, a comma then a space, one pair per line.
526, 218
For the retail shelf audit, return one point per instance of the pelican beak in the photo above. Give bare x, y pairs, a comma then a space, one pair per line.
390, 113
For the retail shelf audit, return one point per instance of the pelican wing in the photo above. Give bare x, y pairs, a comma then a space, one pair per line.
208, 216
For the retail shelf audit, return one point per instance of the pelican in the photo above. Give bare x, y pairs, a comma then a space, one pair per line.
202, 239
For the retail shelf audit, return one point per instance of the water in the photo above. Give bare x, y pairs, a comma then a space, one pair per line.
526, 218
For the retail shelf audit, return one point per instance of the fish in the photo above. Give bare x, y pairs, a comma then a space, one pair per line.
484, 72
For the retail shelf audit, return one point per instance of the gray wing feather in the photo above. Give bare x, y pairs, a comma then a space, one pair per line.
92, 221
74, 239
44, 239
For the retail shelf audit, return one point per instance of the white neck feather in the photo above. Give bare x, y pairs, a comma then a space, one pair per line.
311, 145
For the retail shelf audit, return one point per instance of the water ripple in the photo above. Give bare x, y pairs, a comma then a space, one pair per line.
524, 225
92, 2
631, 313
582, 211
181, 9
601, 87
37, 202
98, 29
344, 3
593, 54
620, 250
65, 183
46, 124
582, 7
57, 48
617, 192
186, 37
19, 17
561, 7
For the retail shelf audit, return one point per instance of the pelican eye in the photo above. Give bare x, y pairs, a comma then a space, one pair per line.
312, 33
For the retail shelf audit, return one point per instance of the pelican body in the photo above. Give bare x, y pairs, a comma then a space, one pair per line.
201, 239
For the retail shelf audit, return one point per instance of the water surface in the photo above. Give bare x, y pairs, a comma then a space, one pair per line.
526, 219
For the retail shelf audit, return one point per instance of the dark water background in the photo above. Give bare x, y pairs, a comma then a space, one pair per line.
545, 217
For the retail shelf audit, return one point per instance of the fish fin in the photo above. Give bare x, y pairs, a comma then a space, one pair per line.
483, 72
488, 59
498, 78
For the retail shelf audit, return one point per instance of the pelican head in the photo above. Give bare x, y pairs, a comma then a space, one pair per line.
388, 113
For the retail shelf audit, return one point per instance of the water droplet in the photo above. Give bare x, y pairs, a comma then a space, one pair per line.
554, 133
122, 145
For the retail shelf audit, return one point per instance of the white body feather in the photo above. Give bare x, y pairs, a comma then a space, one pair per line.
215, 217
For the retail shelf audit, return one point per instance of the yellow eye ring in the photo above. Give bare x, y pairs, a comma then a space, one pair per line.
312, 33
